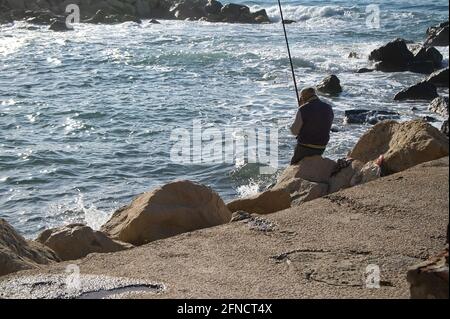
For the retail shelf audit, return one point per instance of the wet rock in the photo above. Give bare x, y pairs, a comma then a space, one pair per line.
76, 241
394, 56
261, 16
353, 55
402, 145
429, 280
444, 128
421, 91
364, 70
16, 253
287, 21
368, 116
440, 106
438, 35
268, 202
236, 13
429, 54
153, 21
60, 25
213, 7
439, 78
172, 209
331, 85
429, 119
190, 9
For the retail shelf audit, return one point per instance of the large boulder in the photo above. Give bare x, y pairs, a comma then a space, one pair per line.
16, 253
439, 78
331, 85
440, 106
172, 209
369, 116
190, 9
438, 35
420, 91
394, 56
402, 145
76, 241
268, 202
236, 13
314, 169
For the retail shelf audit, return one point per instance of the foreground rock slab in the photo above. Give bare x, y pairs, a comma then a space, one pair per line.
77, 240
16, 253
267, 202
175, 208
318, 250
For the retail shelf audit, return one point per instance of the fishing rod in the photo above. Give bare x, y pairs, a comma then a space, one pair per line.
289, 52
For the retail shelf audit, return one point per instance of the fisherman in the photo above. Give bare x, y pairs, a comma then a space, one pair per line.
312, 125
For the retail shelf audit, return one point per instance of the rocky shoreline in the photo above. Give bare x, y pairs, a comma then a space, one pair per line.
53, 12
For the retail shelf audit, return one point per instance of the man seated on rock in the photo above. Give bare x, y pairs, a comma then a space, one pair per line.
312, 126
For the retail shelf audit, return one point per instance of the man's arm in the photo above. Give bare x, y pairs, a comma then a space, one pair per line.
298, 123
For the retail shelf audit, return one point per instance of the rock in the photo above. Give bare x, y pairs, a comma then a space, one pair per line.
172, 209
190, 9
439, 78
331, 85
153, 21
345, 177
314, 169
268, 202
402, 145
444, 128
369, 172
213, 7
440, 106
261, 16
16, 253
394, 56
236, 13
368, 116
302, 191
421, 91
59, 25
429, 119
438, 36
240, 215
365, 70
429, 280
287, 21
429, 54
353, 55
76, 241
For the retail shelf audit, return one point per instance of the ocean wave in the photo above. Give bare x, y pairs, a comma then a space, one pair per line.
304, 13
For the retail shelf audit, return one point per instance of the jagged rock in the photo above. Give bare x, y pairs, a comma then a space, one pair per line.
444, 128
440, 106
438, 36
213, 7
16, 253
76, 241
394, 56
439, 78
331, 85
402, 145
261, 16
353, 55
153, 21
421, 91
368, 116
429, 54
236, 13
190, 9
268, 202
172, 209
429, 280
